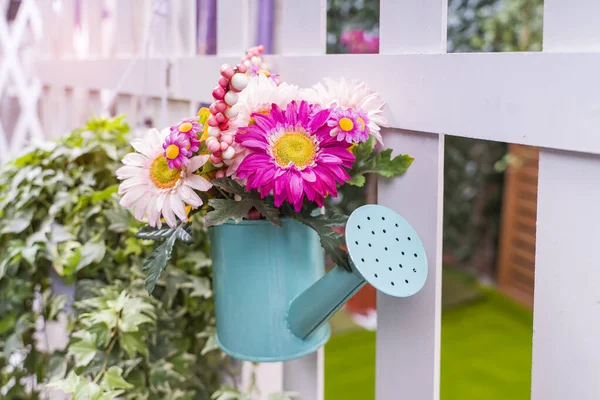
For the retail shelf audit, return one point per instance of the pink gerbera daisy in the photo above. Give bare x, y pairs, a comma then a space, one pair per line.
293, 155
176, 146
190, 128
347, 124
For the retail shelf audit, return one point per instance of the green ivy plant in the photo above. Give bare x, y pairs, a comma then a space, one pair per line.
60, 222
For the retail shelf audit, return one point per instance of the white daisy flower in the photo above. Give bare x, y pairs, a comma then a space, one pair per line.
152, 189
349, 94
258, 97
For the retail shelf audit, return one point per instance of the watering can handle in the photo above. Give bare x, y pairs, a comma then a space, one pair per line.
313, 307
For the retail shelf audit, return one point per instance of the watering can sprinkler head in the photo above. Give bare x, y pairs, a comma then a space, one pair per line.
383, 249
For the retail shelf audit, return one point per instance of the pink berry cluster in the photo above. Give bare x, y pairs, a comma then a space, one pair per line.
232, 81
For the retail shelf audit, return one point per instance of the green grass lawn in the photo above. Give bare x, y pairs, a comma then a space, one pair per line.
486, 349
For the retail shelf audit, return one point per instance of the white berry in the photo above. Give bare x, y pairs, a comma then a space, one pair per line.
214, 131
231, 112
228, 154
231, 98
239, 81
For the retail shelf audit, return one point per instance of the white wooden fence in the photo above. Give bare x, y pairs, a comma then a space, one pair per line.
549, 99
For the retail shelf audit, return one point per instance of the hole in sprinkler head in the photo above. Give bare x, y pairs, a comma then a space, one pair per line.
400, 265
402, 253
384, 231
414, 270
358, 226
377, 260
396, 225
373, 232
392, 283
415, 254
383, 218
369, 244
362, 259
376, 276
390, 268
406, 280
385, 248
397, 240
369, 218
408, 238
356, 242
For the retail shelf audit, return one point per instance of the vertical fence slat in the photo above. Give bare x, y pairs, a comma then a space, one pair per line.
233, 27
567, 277
299, 29
302, 30
408, 329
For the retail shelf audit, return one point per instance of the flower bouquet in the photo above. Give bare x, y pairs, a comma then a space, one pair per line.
264, 150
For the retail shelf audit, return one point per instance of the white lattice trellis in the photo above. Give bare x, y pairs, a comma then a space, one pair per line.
17, 80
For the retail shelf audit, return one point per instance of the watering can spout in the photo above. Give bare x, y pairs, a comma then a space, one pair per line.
384, 250
313, 307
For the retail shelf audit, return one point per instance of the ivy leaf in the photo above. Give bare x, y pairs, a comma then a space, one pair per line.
149, 233
84, 350
91, 253
211, 343
380, 163
226, 209
158, 259
105, 194
56, 305
19, 223
200, 287
331, 241
230, 186
133, 343
113, 379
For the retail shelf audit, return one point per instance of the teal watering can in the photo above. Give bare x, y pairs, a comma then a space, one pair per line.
272, 296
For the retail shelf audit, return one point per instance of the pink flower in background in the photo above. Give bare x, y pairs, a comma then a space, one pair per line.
293, 155
190, 128
358, 42
348, 125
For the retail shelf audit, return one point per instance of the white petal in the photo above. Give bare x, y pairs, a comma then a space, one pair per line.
127, 171
132, 182
189, 196
153, 212
167, 212
197, 182
136, 160
140, 208
178, 207
196, 162
131, 197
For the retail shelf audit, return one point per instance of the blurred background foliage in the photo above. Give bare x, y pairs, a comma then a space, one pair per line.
474, 169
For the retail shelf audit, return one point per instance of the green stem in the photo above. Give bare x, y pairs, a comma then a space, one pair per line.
109, 349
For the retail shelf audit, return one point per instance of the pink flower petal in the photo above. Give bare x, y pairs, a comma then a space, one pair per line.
197, 182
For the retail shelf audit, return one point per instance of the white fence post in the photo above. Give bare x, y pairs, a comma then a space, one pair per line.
566, 345
408, 329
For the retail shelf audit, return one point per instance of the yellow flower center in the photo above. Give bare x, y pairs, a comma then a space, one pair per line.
185, 127
297, 148
265, 72
346, 124
263, 112
362, 123
162, 176
172, 151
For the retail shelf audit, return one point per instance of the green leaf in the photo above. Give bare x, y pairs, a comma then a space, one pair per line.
57, 303
380, 163
157, 261
19, 223
84, 350
149, 233
227, 209
331, 241
133, 343
7, 322
91, 253
113, 379
201, 287
283, 396
211, 342
105, 194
